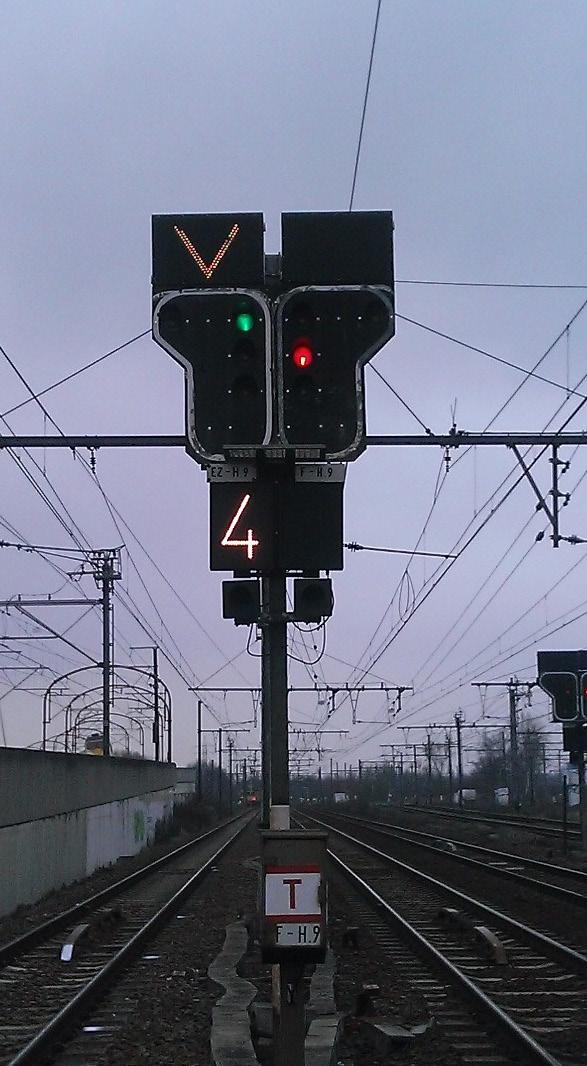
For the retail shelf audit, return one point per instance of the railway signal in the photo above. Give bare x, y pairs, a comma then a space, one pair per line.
222, 340
210, 314
336, 311
562, 687
563, 675
325, 336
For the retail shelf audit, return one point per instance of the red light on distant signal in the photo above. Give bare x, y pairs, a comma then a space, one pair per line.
302, 355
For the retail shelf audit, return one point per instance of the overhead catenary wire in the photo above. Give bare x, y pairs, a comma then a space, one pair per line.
108, 502
488, 284
525, 525
396, 632
497, 358
462, 455
76, 373
87, 467
364, 110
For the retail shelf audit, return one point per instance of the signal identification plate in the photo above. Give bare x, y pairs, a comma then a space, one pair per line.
297, 934
321, 472
220, 473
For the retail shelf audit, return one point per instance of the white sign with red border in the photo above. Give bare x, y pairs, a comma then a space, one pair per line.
292, 893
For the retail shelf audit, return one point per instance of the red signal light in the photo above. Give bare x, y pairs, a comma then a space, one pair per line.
302, 355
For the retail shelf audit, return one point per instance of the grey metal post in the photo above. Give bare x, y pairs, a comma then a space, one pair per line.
274, 684
449, 753
565, 816
582, 789
156, 701
220, 772
515, 763
230, 776
265, 727
169, 720
106, 579
429, 757
289, 1006
199, 751
459, 758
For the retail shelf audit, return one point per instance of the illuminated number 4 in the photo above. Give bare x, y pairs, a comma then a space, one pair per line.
228, 541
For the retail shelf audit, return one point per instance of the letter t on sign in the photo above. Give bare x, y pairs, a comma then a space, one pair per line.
292, 882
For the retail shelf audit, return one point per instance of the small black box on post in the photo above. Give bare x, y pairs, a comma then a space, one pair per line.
241, 601
313, 599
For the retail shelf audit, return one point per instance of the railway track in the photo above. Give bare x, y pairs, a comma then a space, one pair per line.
55, 975
548, 826
547, 878
500, 990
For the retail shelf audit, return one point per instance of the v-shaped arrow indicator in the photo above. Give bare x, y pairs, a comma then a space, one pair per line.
207, 268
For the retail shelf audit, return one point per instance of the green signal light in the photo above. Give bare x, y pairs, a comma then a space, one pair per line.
244, 321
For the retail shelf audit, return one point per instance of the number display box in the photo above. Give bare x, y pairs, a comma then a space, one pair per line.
293, 526
293, 891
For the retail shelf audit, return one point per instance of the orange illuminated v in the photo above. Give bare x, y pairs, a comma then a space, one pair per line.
249, 543
207, 268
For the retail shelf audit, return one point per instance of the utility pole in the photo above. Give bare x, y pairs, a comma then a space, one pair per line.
220, 772
415, 756
459, 757
219, 766
449, 753
429, 757
156, 734
515, 778
230, 743
106, 648
169, 755
199, 751
512, 686
106, 579
155, 651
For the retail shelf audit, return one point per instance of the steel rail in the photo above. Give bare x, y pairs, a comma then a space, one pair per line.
52, 925
511, 821
70, 1015
566, 871
569, 956
533, 1052
546, 887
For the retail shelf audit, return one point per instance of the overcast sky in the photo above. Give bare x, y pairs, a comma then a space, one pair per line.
475, 138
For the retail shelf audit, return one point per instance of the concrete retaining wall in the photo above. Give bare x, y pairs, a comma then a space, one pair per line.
63, 816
